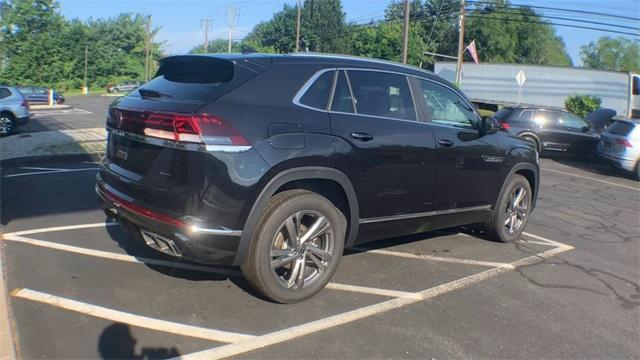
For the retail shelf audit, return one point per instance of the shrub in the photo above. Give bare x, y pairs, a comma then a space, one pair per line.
581, 105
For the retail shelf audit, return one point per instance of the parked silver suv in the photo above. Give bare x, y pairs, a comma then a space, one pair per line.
14, 110
620, 145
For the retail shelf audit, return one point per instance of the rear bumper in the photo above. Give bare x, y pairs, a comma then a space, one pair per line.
622, 163
178, 237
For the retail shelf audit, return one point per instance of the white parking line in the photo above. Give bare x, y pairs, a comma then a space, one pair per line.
119, 257
434, 258
367, 311
61, 228
170, 264
131, 319
637, 188
372, 291
51, 172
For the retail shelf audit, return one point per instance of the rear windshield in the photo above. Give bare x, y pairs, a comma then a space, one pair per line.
200, 78
622, 128
503, 114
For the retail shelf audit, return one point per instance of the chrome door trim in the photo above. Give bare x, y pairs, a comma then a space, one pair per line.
422, 214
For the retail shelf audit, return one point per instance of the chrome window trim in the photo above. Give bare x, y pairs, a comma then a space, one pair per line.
177, 144
422, 214
336, 74
307, 84
354, 101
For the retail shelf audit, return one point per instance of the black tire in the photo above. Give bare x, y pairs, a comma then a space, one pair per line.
499, 228
271, 235
7, 124
534, 141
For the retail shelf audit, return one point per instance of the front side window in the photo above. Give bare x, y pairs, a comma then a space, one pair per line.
317, 95
445, 106
382, 94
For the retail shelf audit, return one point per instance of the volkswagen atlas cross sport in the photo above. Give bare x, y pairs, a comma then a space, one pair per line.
277, 163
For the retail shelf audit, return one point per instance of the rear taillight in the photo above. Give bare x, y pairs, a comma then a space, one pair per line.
624, 142
199, 128
25, 104
504, 125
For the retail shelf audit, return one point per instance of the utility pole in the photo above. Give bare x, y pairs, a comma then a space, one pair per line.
298, 26
147, 50
460, 46
405, 32
86, 58
205, 24
232, 13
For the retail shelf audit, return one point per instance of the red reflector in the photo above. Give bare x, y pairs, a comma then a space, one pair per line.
200, 128
624, 142
504, 125
25, 104
165, 219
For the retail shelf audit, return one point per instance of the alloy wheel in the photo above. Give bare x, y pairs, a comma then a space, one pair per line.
6, 125
302, 249
516, 210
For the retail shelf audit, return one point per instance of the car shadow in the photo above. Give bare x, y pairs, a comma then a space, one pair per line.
593, 165
117, 342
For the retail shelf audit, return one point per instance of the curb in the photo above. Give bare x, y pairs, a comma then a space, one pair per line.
44, 108
39, 159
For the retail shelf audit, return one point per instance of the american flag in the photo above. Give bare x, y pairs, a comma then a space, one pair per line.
473, 51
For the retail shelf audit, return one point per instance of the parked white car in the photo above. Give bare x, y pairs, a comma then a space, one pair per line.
620, 145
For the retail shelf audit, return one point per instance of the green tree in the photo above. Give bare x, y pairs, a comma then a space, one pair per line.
384, 41
217, 46
612, 54
582, 105
323, 29
514, 35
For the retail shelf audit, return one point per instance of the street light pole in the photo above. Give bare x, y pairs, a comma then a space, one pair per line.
460, 45
405, 32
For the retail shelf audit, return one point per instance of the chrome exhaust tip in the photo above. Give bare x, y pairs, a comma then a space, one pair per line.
160, 243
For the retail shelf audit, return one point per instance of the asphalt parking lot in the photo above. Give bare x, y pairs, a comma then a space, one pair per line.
79, 288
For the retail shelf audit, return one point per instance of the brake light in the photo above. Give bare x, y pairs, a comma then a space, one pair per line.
165, 219
199, 128
25, 104
624, 142
504, 125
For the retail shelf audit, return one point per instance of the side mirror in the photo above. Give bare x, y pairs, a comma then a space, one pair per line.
488, 125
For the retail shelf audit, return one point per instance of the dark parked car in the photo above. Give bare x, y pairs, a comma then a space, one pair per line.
40, 95
550, 129
124, 87
14, 110
278, 163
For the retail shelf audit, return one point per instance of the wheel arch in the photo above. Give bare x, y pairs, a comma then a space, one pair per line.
531, 173
307, 177
534, 136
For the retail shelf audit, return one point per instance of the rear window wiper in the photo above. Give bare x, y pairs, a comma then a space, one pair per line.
147, 93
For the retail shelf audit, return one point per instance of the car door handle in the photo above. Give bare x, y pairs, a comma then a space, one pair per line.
361, 136
445, 142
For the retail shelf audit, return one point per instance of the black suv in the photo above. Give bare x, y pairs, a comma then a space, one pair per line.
550, 129
277, 163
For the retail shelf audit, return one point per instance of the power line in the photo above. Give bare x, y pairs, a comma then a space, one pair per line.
552, 23
561, 9
568, 19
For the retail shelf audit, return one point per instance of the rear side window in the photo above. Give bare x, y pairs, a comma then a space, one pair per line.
199, 78
4, 93
525, 115
342, 100
636, 85
622, 128
317, 95
382, 94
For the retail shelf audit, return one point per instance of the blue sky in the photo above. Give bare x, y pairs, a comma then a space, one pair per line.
180, 19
